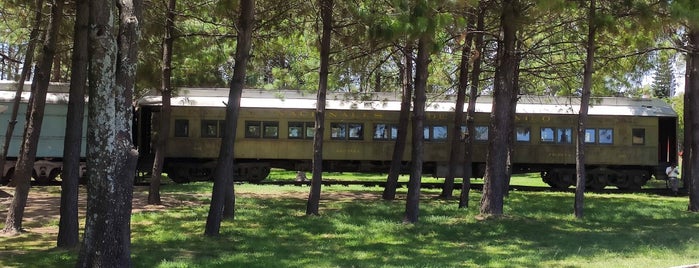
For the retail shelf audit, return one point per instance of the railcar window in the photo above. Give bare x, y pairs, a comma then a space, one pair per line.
439, 133
301, 130
381, 131
271, 129
356, 131
338, 131
481, 133
547, 134
464, 133
606, 135
181, 128
590, 135
310, 130
296, 130
639, 136
523, 134
426, 133
209, 128
253, 129
564, 135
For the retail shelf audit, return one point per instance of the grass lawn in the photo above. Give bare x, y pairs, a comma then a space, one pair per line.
357, 229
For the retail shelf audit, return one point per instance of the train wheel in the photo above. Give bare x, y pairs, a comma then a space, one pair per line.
596, 182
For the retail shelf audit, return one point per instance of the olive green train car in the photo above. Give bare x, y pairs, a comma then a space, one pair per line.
627, 140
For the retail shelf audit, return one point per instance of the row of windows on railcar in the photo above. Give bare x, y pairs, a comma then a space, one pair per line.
387, 132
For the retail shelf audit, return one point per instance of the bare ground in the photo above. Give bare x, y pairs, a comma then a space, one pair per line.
43, 204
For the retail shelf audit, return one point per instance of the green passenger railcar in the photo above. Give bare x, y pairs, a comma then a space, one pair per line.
627, 140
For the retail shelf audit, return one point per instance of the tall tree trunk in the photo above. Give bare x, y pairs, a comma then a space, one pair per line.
389, 192
68, 234
326, 13
412, 204
111, 157
692, 89
500, 119
223, 175
166, 111
26, 68
472, 96
582, 115
456, 155
25, 163
687, 140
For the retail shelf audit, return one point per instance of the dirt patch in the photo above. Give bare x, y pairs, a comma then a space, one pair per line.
43, 206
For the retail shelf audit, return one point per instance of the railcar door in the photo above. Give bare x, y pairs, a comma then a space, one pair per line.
667, 140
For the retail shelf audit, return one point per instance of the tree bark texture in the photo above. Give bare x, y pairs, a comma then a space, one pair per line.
473, 95
389, 192
582, 115
500, 119
25, 163
412, 204
68, 234
111, 157
166, 109
326, 13
692, 89
26, 68
456, 155
223, 175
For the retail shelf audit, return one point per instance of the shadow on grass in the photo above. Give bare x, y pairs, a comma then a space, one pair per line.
538, 231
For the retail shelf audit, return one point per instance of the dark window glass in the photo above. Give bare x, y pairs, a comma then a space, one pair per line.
564, 135
271, 130
209, 128
639, 136
338, 131
356, 131
181, 128
253, 129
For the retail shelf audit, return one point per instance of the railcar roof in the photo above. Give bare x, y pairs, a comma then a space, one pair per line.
388, 101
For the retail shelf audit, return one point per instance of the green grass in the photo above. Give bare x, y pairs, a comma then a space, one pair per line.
356, 229
530, 179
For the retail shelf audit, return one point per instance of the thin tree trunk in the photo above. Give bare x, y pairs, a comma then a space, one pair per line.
68, 234
26, 69
456, 156
692, 89
111, 157
412, 204
326, 13
223, 175
389, 192
582, 116
24, 165
500, 119
166, 111
471, 110
687, 141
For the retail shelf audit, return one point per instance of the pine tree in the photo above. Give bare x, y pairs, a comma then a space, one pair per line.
663, 81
